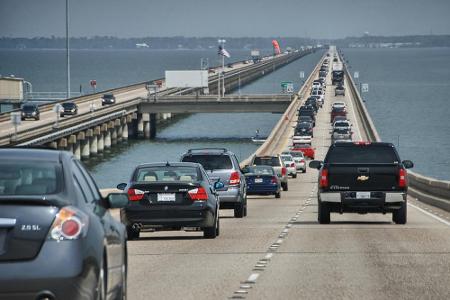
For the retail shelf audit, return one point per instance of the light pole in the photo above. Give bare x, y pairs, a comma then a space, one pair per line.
67, 49
222, 42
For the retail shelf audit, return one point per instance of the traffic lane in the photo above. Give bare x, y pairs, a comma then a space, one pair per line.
50, 117
359, 257
184, 265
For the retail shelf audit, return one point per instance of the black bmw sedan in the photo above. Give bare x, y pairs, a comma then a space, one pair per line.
171, 196
57, 237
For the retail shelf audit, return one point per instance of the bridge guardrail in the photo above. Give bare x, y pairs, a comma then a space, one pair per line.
429, 190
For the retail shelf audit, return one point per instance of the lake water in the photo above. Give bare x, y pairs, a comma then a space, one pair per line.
408, 100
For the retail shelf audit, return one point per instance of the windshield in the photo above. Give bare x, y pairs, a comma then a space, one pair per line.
29, 108
29, 177
211, 162
167, 173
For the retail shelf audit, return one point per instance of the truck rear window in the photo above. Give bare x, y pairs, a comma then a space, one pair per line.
362, 155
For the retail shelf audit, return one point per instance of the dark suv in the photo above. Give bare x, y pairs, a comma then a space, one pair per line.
30, 111
222, 165
362, 177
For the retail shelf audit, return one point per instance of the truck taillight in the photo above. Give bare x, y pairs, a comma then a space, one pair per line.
323, 178
198, 194
235, 179
283, 171
402, 179
135, 195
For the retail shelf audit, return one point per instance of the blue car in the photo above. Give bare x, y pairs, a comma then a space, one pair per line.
262, 180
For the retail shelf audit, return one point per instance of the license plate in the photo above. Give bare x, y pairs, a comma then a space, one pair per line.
362, 195
258, 180
166, 197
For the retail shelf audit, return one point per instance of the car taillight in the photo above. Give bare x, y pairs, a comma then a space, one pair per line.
402, 179
283, 171
135, 195
70, 224
235, 179
198, 194
302, 160
274, 180
323, 178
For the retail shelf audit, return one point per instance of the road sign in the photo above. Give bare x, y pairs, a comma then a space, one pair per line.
302, 74
287, 87
16, 119
365, 87
356, 75
93, 83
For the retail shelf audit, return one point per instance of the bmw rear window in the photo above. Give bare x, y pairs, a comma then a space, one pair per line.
210, 161
167, 173
30, 177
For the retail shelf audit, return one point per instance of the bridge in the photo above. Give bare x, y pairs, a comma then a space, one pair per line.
279, 251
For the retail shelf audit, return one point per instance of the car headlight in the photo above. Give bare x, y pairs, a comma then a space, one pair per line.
33, 113
23, 113
73, 110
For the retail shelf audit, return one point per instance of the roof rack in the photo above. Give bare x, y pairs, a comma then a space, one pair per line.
202, 149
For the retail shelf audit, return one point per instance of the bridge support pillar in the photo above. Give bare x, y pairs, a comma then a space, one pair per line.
93, 144
77, 149
118, 129
153, 126
85, 147
125, 129
140, 125
53, 145
107, 143
102, 138
72, 143
62, 144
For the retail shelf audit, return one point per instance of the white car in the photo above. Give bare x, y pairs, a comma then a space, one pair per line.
316, 85
299, 159
290, 165
338, 104
301, 139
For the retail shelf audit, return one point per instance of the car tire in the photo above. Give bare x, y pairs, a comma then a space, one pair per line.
278, 195
294, 175
323, 213
399, 216
304, 171
122, 294
239, 210
132, 234
38, 118
245, 206
100, 291
284, 186
211, 232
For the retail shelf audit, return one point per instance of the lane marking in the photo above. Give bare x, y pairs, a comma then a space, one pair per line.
252, 278
430, 214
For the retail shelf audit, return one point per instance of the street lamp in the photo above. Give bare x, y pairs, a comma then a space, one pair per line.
67, 49
222, 42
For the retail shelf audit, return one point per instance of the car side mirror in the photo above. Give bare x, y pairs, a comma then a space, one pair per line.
121, 186
315, 164
117, 200
408, 164
218, 185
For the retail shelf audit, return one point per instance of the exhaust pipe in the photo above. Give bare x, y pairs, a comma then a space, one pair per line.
137, 226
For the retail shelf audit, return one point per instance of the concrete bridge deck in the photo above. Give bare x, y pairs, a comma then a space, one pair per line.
280, 251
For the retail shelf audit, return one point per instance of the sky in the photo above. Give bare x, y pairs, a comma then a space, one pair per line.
229, 18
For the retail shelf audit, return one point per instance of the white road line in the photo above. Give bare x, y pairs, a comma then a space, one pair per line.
268, 256
430, 214
252, 278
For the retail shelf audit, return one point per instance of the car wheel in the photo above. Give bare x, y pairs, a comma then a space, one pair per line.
245, 206
239, 210
211, 232
278, 195
122, 295
38, 118
132, 234
399, 216
294, 175
284, 186
323, 213
218, 226
304, 171
101, 283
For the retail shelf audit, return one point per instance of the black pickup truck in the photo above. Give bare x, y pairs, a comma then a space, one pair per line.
362, 177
